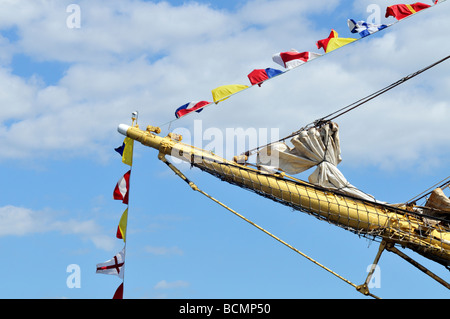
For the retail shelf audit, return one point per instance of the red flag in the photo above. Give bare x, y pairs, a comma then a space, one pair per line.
122, 187
258, 76
119, 233
400, 11
323, 44
119, 292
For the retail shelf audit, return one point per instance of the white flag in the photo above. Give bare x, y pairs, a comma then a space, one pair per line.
114, 266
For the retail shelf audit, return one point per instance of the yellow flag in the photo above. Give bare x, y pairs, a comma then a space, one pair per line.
333, 42
337, 43
127, 155
122, 228
223, 92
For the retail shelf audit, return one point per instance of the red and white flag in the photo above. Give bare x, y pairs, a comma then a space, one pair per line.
293, 58
122, 187
114, 266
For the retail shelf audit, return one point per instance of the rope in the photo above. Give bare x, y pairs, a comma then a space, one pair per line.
195, 188
351, 106
356, 104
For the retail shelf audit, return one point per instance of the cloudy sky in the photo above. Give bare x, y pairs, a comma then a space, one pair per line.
68, 80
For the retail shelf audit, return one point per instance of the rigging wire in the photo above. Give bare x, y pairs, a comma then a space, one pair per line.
356, 104
352, 106
169, 123
442, 184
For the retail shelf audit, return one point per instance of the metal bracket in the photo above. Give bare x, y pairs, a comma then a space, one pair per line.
391, 248
364, 288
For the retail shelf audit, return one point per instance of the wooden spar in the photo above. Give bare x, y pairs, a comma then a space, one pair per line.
392, 224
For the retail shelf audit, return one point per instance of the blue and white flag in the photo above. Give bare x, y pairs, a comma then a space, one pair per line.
363, 28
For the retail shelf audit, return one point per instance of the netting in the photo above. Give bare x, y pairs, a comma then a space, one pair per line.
401, 225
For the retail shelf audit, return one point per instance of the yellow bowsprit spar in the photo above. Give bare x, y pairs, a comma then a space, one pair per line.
393, 225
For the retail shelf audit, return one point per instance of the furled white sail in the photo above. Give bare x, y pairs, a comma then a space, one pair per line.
438, 204
313, 147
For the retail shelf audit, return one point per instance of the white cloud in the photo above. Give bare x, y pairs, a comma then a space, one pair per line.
20, 221
163, 250
156, 57
16, 96
112, 29
163, 284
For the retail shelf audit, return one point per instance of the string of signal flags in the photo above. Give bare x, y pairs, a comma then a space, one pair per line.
116, 265
293, 59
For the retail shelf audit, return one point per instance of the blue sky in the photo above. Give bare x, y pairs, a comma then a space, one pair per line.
65, 90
